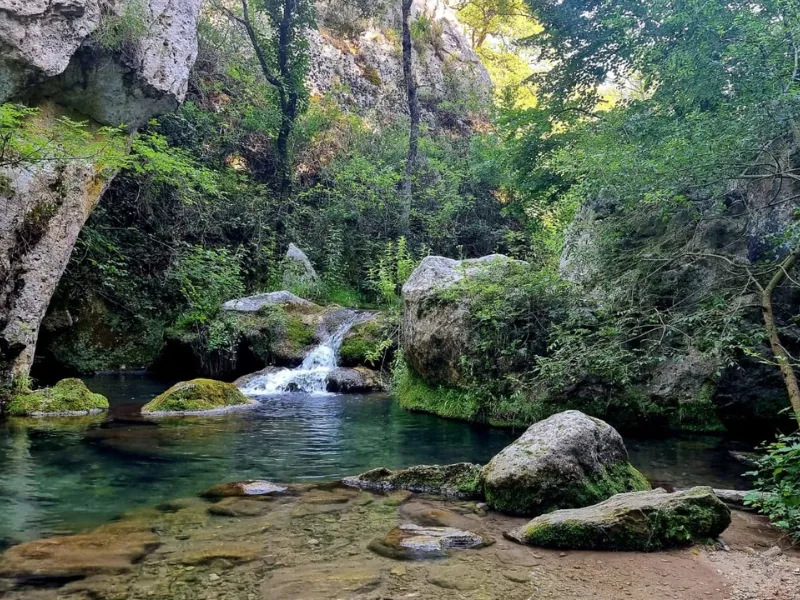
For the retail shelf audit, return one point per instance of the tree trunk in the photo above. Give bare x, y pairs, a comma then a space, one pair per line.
39, 223
781, 355
414, 113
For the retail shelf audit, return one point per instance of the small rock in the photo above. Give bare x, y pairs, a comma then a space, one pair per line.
213, 577
398, 571
773, 552
313, 542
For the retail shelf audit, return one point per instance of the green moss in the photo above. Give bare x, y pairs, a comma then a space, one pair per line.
198, 395
371, 74
461, 480
548, 493
67, 396
416, 395
298, 333
361, 346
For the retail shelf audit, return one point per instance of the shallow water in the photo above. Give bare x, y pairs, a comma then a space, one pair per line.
68, 475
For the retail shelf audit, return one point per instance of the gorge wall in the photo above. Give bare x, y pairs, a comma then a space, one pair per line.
52, 60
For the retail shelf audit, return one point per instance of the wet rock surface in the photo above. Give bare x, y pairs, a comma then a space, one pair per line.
313, 544
244, 488
410, 542
460, 480
359, 380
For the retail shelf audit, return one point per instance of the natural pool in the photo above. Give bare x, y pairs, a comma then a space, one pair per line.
67, 475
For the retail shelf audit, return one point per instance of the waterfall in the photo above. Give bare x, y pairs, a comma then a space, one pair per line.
311, 377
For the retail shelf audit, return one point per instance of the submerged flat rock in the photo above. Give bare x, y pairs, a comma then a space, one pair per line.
253, 487
409, 542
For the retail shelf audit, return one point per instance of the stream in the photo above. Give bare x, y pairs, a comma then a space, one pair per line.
66, 475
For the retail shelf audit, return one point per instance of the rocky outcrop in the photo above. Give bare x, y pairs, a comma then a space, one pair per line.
253, 304
641, 521
47, 52
50, 52
359, 380
198, 397
69, 397
357, 58
461, 480
435, 332
298, 272
569, 460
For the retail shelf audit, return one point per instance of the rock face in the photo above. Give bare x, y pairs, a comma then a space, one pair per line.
358, 60
46, 51
435, 333
69, 397
569, 460
197, 397
461, 480
49, 52
297, 269
640, 521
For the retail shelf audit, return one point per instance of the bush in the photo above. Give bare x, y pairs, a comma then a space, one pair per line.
777, 485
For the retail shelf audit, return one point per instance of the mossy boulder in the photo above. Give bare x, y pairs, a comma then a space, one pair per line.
366, 344
570, 460
461, 480
199, 396
69, 397
639, 521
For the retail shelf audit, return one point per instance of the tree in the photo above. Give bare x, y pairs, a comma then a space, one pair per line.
414, 114
282, 53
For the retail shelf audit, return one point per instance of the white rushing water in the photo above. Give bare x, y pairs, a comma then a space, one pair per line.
311, 377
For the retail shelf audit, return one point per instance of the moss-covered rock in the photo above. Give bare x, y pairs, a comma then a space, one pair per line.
642, 521
569, 460
69, 397
366, 344
199, 396
461, 480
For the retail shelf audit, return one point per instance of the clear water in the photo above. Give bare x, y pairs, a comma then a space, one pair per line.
58, 477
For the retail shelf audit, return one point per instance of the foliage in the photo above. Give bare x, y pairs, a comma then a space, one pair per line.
777, 485
122, 25
30, 136
392, 270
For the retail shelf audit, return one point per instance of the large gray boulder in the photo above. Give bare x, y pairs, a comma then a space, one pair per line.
639, 521
569, 460
435, 333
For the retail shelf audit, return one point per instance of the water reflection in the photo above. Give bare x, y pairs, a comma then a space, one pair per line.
67, 475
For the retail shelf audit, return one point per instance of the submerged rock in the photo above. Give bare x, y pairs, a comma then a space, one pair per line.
199, 396
567, 461
641, 521
408, 542
244, 488
113, 548
359, 380
69, 397
461, 480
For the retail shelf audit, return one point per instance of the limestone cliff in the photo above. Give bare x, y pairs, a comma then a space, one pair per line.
359, 60
50, 59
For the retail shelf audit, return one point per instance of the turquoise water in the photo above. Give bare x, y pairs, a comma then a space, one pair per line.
67, 475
